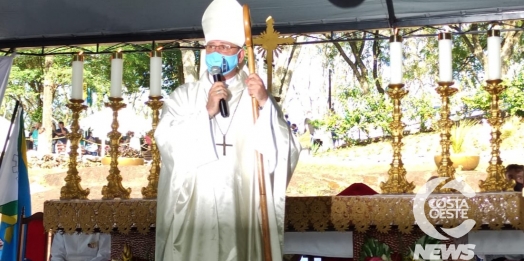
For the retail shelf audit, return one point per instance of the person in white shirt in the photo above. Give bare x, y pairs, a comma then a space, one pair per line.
134, 142
81, 247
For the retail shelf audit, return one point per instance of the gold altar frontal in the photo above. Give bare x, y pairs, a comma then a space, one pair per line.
102, 215
359, 213
382, 216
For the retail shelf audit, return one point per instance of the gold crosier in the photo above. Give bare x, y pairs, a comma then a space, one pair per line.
270, 40
72, 189
150, 192
114, 188
397, 182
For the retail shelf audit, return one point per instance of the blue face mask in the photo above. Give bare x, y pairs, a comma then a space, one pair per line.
226, 63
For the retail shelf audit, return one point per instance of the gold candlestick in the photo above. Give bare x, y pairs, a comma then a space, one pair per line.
114, 188
150, 192
496, 180
397, 182
72, 188
445, 167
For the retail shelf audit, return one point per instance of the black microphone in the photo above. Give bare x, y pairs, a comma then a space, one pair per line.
217, 77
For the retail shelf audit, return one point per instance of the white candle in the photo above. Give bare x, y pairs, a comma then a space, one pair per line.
494, 59
77, 92
155, 84
444, 57
395, 53
117, 67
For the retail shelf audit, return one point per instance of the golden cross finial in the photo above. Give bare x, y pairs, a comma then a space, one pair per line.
270, 41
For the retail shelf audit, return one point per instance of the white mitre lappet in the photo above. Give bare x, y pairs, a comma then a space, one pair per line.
224, 20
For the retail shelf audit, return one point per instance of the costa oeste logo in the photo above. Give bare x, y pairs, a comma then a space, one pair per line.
444, 207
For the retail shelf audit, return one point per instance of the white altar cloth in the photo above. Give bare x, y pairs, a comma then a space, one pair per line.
331, 244
497, 242
340, 244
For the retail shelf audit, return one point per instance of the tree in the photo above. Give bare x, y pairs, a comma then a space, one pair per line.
469, 55
42, 83
34, 81
173, 70
284, 73
360, 52
25, 85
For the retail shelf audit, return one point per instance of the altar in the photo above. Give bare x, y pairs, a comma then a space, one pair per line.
318, 226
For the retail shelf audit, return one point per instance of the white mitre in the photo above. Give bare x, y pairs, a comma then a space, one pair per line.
224, 20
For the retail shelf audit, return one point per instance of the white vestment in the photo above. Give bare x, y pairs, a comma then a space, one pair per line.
208, 203
81, 247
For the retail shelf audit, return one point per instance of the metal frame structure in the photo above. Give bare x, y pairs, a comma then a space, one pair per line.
197, 44
33, 24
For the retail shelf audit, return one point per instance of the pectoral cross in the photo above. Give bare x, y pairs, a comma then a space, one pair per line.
224, 145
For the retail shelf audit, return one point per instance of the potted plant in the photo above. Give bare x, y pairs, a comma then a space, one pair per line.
460, 157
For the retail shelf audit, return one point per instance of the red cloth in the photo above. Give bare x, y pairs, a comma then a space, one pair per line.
357, 189
36, 239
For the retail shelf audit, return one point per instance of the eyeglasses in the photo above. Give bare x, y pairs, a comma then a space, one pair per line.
220, 48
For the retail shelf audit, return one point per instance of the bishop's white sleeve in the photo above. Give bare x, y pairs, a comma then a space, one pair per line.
58, 251
104, 248
186, 125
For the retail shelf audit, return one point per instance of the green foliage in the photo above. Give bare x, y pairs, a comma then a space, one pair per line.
378, 112
339, 125
36, 116
510, 127
423, 241
420, 57
480, 100
459, 133
26, 81
97, 75
173, 69
27, 76
362, 112
374, 248
420, 109
136, 71
316, 123
512, 99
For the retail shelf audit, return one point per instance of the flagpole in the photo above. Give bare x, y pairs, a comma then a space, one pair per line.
13, 117
20, 232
